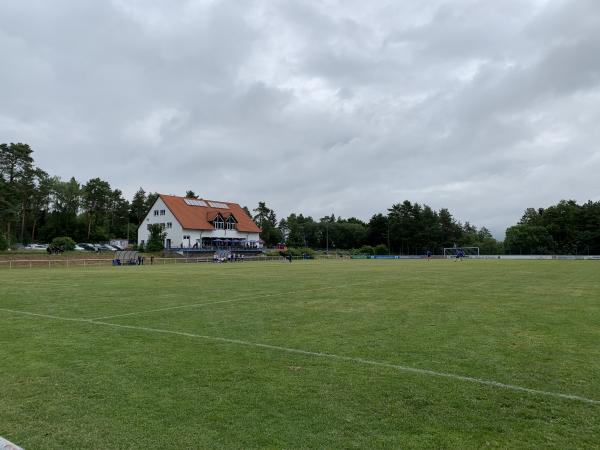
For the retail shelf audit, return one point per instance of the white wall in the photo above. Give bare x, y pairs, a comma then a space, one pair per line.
174, 233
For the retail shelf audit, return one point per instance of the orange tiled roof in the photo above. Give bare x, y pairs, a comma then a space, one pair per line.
212, 214
197, 217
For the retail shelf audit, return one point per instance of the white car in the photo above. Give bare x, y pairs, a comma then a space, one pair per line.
78, 248
36, 247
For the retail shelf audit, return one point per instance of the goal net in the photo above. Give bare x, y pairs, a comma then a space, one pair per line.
452, 252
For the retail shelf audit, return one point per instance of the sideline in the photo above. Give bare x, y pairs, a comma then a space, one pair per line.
351, 359
5, 444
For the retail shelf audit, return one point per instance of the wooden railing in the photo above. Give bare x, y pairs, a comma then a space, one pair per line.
104, 262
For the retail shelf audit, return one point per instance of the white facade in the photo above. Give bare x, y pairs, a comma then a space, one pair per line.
162, 215
179, 237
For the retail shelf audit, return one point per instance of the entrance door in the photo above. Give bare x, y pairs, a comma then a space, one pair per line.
168, 243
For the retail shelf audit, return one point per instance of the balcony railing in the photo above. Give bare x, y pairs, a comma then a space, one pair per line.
215, 248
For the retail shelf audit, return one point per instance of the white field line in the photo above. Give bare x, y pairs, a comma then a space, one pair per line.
237, 299
433, 373
47, 316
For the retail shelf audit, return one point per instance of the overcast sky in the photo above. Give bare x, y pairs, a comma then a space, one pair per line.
319, 107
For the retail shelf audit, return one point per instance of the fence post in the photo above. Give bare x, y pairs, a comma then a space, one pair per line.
30, 264
10, 264
84, 263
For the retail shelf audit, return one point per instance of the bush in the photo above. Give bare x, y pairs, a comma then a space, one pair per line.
64, 243
365, 250
300, 251
3, 242
381, 249
156, 239
154, 246
139, 248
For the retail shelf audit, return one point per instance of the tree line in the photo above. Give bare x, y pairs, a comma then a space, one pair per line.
412, 228
37, 207
565, 228
407, 228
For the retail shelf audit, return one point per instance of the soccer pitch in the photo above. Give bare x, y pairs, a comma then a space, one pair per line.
312, 354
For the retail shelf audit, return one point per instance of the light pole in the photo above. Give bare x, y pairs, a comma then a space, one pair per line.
388, 236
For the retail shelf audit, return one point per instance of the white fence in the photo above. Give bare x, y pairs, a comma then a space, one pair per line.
532, 257
98, 262
80, 262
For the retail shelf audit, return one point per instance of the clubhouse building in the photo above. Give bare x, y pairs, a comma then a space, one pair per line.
201, 226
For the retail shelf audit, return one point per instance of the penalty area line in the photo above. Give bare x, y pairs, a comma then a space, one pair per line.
232, 300
351, 359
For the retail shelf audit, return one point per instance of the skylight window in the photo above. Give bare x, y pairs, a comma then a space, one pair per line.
194, 202
218, 205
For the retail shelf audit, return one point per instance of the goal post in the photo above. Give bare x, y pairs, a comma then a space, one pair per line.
451, 252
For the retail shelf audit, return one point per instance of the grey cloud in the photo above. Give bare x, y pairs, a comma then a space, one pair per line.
316, 107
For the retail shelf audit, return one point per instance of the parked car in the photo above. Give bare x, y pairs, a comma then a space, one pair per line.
107, 247
78, 248
36, 247
88, 247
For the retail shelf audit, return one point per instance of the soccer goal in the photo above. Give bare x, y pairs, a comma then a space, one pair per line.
451, 252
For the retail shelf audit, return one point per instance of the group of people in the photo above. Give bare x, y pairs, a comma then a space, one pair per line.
248, 245
231, 257
460, 254
52, 250
138, 260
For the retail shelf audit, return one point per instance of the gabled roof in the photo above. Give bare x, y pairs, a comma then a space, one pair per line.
197, 217
212, 214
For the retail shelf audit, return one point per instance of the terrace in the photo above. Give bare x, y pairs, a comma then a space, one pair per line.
220, 244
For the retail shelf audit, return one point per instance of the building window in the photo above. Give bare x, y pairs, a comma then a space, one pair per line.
148, 226
162, 225
169, 225
156, 212
219, 224
162, 212
231, 223
186, 237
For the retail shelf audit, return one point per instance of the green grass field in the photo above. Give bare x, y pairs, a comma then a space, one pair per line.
339, 354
